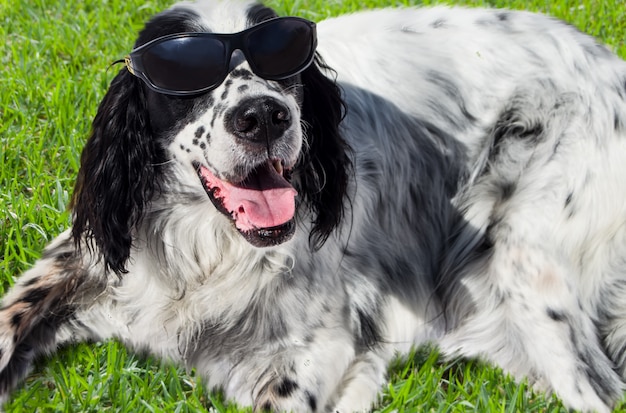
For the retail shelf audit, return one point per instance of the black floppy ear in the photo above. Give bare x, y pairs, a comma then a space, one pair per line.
325, 164
117, 173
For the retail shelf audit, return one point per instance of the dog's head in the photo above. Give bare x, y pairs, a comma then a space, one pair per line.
249, 120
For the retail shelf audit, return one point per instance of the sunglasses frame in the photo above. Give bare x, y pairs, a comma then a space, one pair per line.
231, 42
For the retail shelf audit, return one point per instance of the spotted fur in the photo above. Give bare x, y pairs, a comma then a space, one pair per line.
460, 179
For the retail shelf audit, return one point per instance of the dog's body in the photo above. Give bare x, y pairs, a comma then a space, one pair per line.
480, 207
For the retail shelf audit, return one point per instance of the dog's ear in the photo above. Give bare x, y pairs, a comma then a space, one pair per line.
117, 173
325, 164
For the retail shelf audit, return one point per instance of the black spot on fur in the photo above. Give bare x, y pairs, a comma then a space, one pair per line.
199, 132
241, 73
210, 101
286, 388
485, 246
369, 334
510, 124
568, 199
507, 189
243, 88
16, 319
533, 132
30, 282
312, 400
202, 145
438, 23
35, 295
555, 315
618, 121
503, 16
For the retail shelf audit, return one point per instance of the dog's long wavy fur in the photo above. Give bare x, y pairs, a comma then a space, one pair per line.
461, 181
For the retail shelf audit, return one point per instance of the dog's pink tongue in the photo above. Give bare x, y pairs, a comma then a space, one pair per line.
265, 200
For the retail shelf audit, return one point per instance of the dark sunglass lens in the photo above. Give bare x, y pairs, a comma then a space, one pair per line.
185, 64
281, 48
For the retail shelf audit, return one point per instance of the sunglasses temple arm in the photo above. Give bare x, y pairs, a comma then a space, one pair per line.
127, 62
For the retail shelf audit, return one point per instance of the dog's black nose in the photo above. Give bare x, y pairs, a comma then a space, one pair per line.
259, 120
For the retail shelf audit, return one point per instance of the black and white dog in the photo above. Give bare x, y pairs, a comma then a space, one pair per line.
286, 208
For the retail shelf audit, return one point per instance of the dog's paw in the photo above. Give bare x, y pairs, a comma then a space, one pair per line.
286, 395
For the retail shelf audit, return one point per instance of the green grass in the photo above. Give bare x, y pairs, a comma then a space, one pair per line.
55, 56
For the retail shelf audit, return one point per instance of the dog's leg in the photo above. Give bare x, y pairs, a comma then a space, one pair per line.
43, 301
611, 303
613, 326
298, 375
529, 320
363, 382
544, 210
403, 326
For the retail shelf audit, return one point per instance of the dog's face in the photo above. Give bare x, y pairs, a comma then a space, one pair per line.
261, 150
240, 140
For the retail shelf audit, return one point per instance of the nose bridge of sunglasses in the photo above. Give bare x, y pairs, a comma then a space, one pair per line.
236, 58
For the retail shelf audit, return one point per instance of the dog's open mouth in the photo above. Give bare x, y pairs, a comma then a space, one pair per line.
262, 206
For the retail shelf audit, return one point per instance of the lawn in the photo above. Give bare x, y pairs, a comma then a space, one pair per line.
55, 69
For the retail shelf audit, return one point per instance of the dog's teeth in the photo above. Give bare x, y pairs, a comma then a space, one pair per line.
278, 166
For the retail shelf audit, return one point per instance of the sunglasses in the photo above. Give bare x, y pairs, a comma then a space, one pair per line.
185, 64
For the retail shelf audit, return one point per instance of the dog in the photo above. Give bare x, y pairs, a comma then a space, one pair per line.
286, 206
